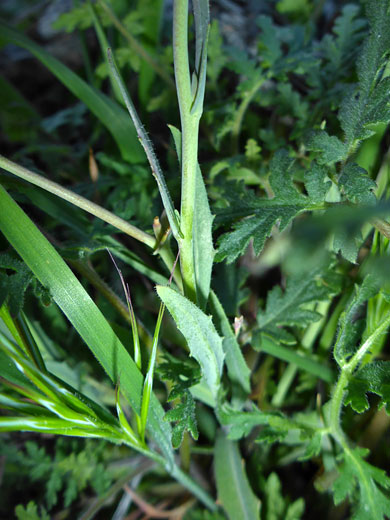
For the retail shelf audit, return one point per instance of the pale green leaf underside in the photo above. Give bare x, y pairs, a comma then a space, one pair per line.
234, 491
203, 340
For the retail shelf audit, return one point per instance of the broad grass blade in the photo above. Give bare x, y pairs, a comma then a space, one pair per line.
81, 311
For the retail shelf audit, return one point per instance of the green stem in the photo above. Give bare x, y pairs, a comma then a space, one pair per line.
241, 112
347, 370
77, 200
189, 152
137, 47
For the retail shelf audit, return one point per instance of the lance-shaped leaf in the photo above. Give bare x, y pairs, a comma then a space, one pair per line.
113, 116
237, 368
203, 340
234, 491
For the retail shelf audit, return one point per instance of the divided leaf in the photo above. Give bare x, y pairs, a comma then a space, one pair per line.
375, 378
351, 324
184, 416
357, 474
261, 214
369, 104
357, 185
331, 149
287, 308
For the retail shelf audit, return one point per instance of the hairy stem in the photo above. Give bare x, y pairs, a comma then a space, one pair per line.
137, 47
347, 370
189, 152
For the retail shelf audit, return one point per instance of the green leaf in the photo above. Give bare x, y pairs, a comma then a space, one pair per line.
270, 44
369, 104
203, 340
357, 185
81, 311
183, 374
113, 117
289, 307
356, 473
239, 424
261, 214
184, 416
30, 512
276, 504
234, 491
237, 368
375, 378
317, 182
14, 286
351, 324
331, 149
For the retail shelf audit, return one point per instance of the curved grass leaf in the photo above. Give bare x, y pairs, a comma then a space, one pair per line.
234, 491
81, 311
203, 340
113, 116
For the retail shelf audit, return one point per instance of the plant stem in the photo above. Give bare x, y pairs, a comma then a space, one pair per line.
77, 200
189, 152
137, 47
248, 97
346, 371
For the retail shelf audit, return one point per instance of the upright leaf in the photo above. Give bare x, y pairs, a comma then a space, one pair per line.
234, 491
237, 368
203, 340
113, 116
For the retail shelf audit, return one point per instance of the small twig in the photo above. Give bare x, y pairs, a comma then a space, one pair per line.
154, 512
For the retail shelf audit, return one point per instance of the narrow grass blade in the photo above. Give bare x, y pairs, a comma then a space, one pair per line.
148, 383
133, 321
103, 46
147, 145
81, 311
55, 426
123, 420
234, 491
112, 116
137, 47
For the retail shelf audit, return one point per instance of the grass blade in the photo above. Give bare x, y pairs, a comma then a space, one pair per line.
112, 116
81, 311
148, 383
233, 487
147, 145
